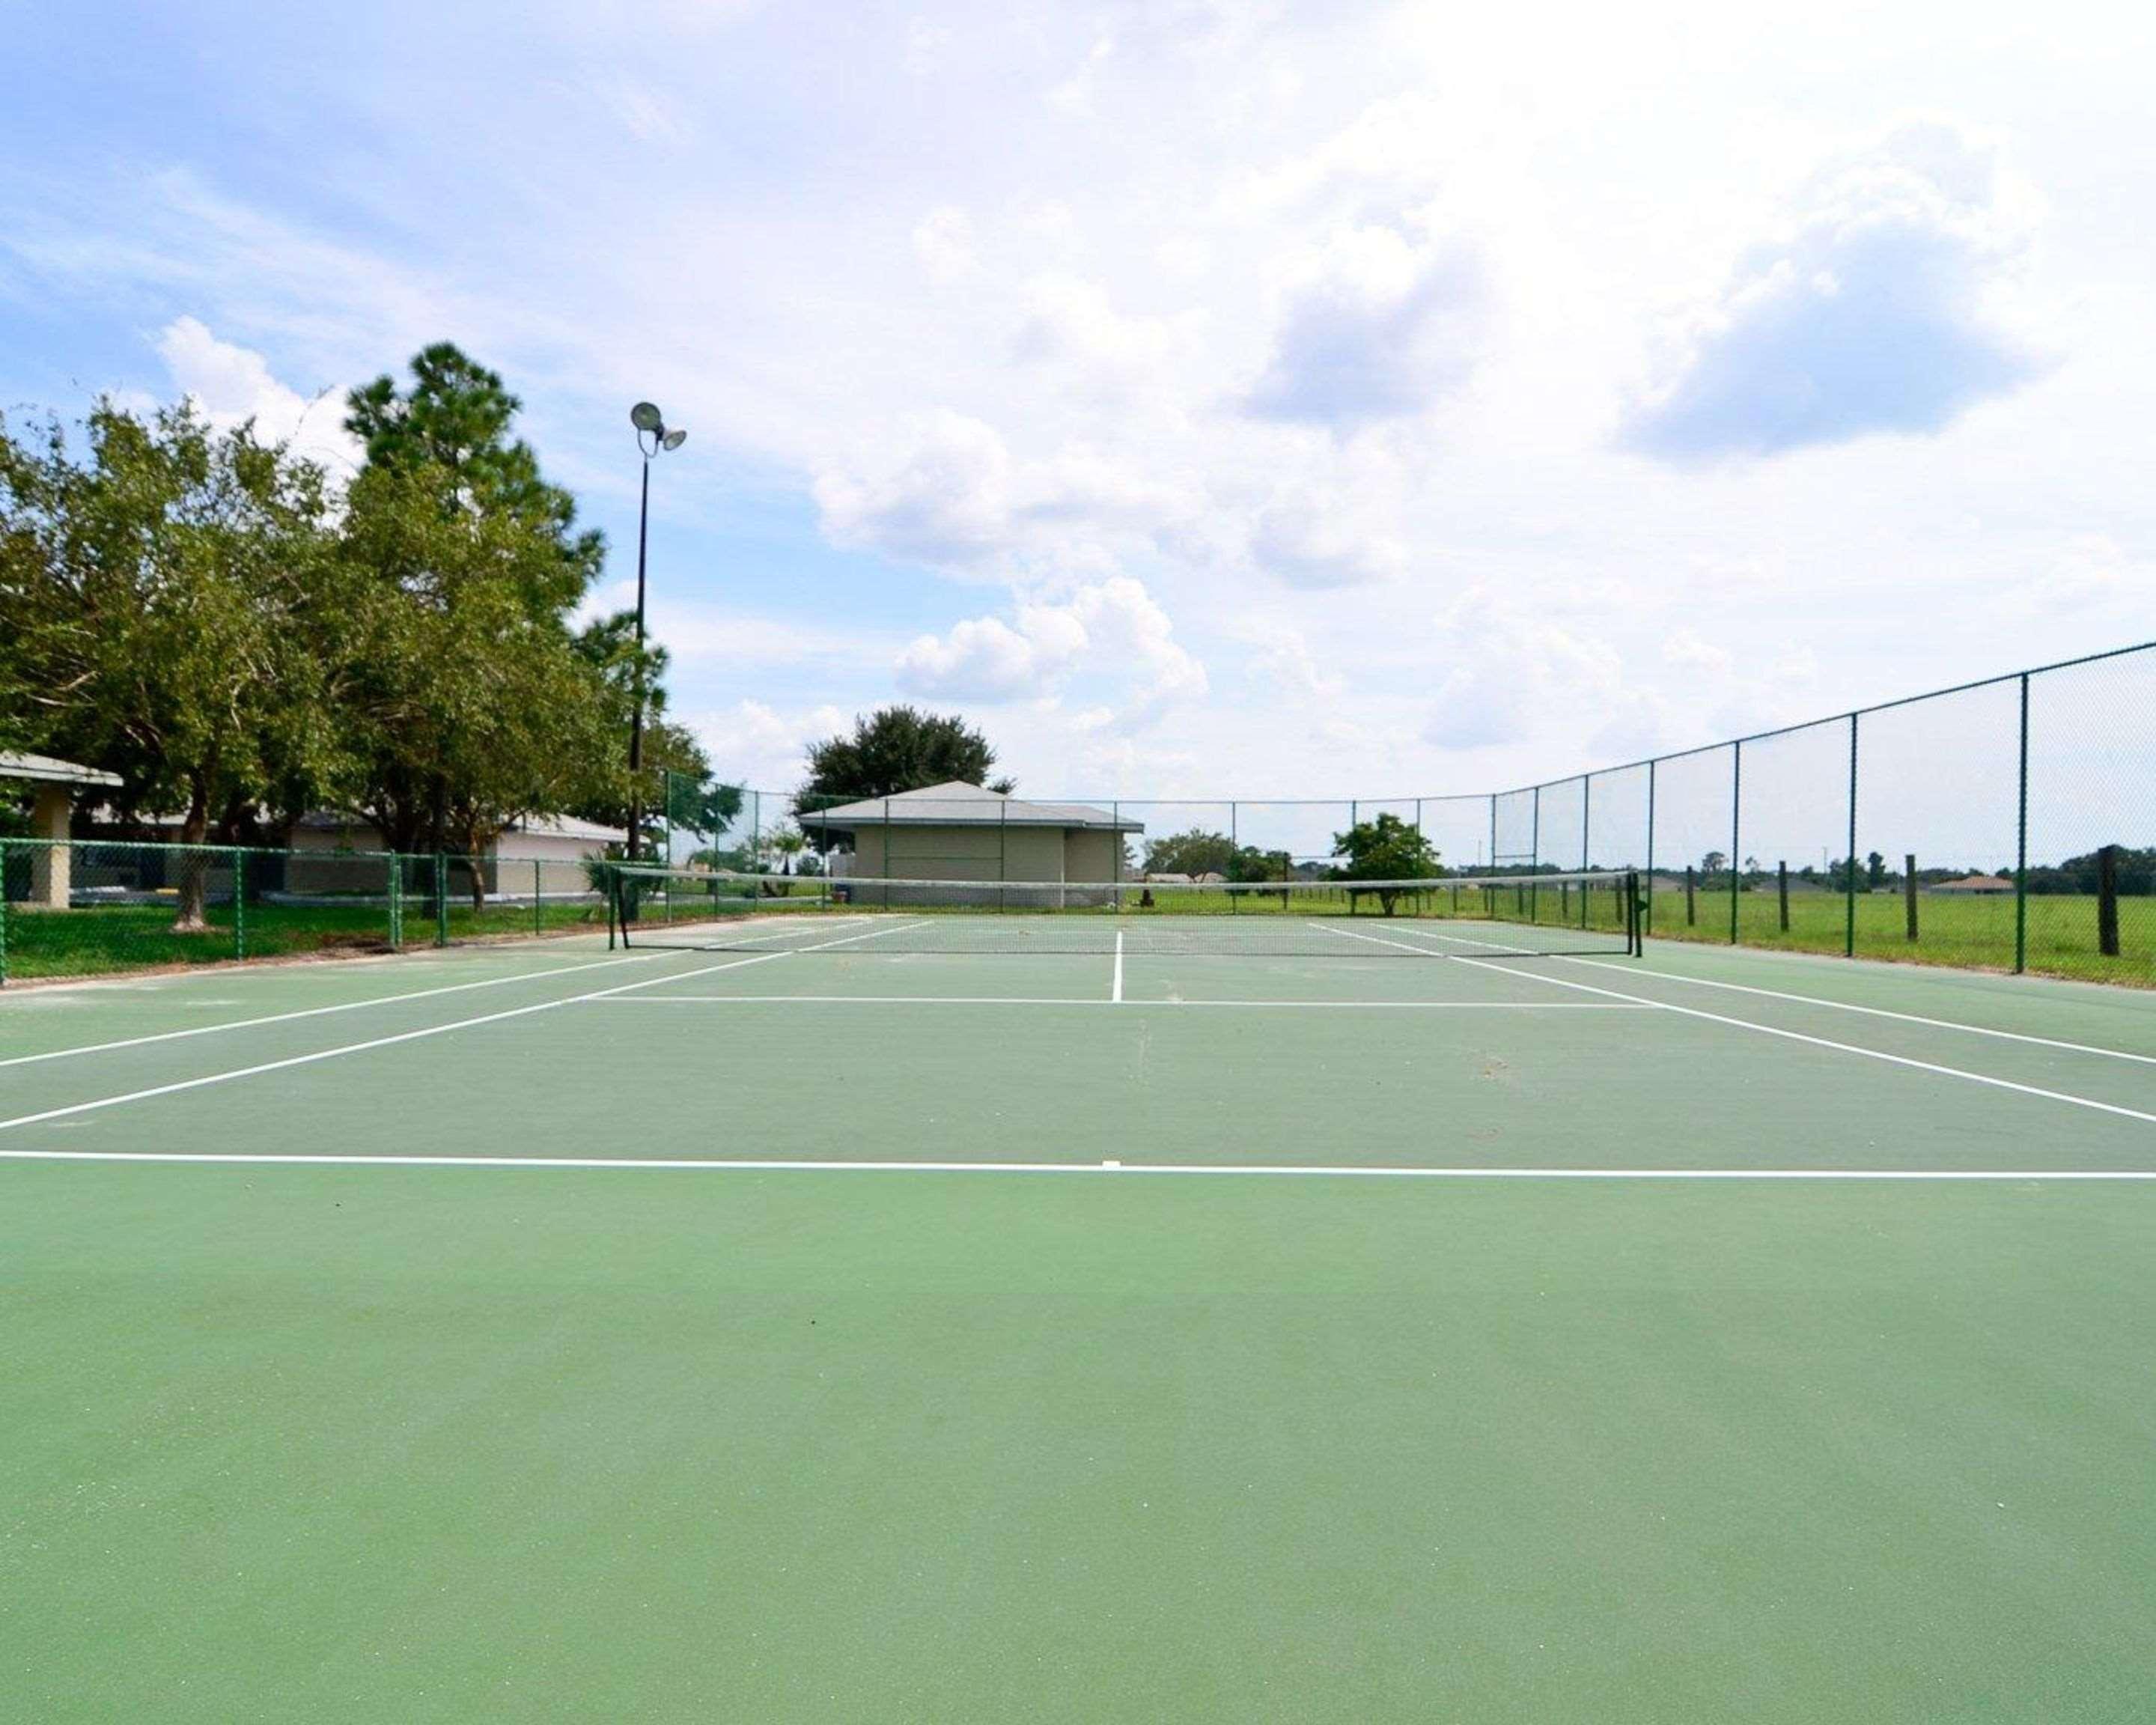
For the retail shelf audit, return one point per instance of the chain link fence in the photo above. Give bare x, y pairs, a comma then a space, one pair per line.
2008, 824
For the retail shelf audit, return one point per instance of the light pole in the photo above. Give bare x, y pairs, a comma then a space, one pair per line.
652, 438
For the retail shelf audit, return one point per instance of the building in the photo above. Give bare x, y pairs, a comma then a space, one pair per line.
57, 782
966, 832
1974, 886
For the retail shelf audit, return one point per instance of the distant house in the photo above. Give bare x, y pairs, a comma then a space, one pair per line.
539, 837
966, 832
1973, 885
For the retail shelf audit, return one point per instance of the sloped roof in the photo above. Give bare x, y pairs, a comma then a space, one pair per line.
959, 804
45, 769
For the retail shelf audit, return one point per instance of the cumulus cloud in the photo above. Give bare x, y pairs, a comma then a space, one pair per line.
1379, 328
231, 384
1509, 673
1072, 321
1111, 632
1869, 312
1283, 660
1321, 539
945, 499
943, 242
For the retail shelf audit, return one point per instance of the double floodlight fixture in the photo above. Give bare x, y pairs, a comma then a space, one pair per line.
651, 423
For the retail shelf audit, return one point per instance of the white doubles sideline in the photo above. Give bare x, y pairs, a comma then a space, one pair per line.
1252, 1169
316, 1012
1120, 1000
420, 1034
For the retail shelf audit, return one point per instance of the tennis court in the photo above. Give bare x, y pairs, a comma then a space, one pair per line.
874, 1316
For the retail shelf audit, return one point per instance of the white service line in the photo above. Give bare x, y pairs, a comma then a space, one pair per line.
1380, 941
1262, 1170
1850, 1048
1059, 1000
349, 1047
316, 1012
1115, 989
1876, 1011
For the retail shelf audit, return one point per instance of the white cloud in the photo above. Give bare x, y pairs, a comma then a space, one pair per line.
945, 499
1686, 651
1110, 633
1871, 311
943, 242
1379, 327
232, 384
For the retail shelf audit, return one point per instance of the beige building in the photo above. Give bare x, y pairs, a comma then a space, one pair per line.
52, 862
968, 833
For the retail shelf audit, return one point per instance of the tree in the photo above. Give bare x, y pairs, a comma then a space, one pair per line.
1194, 853
1874, 871
470, 705
896, 748
1386, 848
454, 424
165, 599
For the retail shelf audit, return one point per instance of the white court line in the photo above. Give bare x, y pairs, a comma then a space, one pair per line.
330, 1053
316, 1012
796, 927
1376, 940
1058, 1000
1850, 1048
1877, 1012
1115, 989
1262, 1170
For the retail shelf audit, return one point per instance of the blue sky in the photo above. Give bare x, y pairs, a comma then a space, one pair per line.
1208, 400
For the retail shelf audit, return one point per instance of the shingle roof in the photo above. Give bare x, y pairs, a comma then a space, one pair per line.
959, 804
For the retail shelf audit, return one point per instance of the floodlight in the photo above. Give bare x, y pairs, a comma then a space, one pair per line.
644, 416
675, 439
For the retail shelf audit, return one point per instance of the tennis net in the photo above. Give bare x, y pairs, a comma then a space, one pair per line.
1464, 916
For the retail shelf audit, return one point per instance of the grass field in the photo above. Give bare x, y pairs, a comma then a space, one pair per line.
1974, 932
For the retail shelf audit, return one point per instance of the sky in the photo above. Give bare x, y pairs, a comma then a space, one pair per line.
1207, 400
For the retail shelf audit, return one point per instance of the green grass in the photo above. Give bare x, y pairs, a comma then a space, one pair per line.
1973, 932
102, 939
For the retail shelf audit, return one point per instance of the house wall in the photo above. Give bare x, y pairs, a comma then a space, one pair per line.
1089, 854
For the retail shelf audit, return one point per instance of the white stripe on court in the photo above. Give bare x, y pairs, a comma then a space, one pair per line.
1116, 987
1876, 1011
1058, 1000
1256, 1169
349, 1047
316, 1012
1850, 1048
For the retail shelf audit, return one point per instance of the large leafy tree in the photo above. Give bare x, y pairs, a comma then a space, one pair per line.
1386, 848
453, 422
896, 748
471, 706
164, 595
1198, 852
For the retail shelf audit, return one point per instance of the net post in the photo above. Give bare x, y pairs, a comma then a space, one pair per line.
441, 899
1493, 833
1534, 856
1115, 847
2107, 901
610, 895
1736, 828
538, 897
2021, 843
886, 852
396, 903
1235, 850
1638, 942
1849, 895
1586, 825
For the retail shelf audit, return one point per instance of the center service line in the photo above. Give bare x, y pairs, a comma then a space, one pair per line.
1116, 987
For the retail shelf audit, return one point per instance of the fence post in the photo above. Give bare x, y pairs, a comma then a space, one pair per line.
1736, 827
1691, 905
1849, 896
1534, 856
238, 903
1493, 833
1909, 888
1648, 921
441, 899
2107, 901
1781, 886
2021, 844
538, 896
1002, 851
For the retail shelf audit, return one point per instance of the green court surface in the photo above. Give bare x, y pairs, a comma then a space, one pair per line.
547, 1332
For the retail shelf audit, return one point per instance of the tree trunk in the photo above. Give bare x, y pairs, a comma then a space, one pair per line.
477, 853
194, 863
